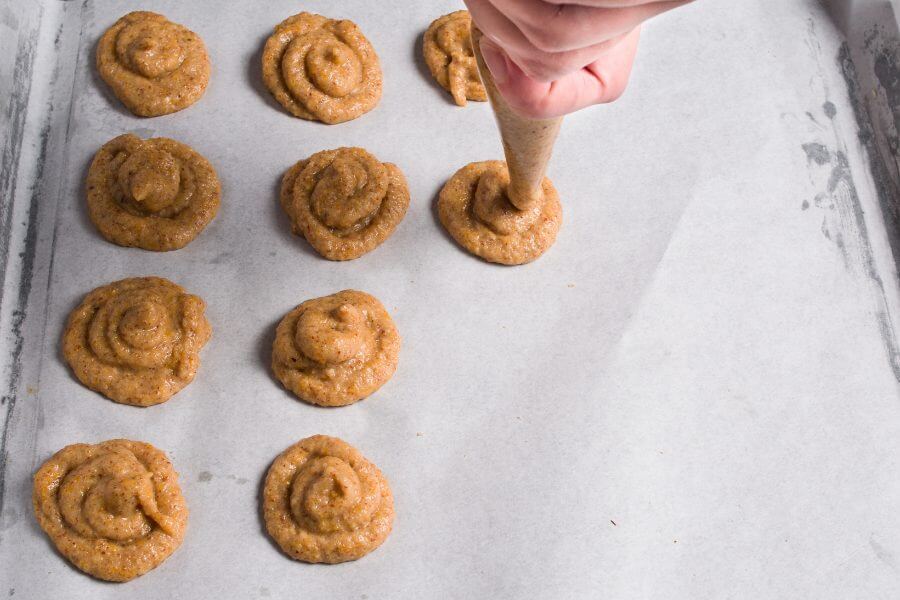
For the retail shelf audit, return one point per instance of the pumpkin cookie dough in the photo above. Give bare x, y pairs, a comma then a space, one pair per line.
155, 194
113, 509
475, 209
321, 69
154, 66
336, 350
136, 341
345, 202
323, 502
448, 53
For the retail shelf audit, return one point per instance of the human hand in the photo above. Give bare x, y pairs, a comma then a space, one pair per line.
552, 57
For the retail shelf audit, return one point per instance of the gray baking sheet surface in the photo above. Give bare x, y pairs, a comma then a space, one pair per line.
692, 395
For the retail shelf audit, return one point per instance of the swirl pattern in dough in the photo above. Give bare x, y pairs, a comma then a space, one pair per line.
345, 202
336, 350
447, 47
321, 69
154, 66
155, 194
136, 341
475, 210
113, 509
324, 502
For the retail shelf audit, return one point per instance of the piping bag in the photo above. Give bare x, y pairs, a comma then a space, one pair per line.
527, 143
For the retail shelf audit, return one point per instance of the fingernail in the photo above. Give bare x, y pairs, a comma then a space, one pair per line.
495, 59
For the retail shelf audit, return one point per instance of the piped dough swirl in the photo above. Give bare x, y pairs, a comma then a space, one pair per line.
336, 350
136, 341
447, 47
156, 194
321, 69
345, 202
113, 509
154, 66
475, 209
324, 502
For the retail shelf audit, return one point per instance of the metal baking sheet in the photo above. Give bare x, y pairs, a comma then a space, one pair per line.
694, 394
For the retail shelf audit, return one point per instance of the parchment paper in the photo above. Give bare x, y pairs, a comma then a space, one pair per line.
689, 396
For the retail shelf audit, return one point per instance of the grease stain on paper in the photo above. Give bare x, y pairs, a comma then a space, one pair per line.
883, 554
206, 477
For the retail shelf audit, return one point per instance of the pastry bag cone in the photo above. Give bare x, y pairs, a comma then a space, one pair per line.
527, 143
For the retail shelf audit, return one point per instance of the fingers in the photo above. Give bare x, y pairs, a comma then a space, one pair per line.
603, 80
497, 27
559, 27
550, 67
537, 64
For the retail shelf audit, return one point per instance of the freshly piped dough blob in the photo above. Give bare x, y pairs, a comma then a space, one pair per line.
155, 194
154, 66
336, 350
136, 341
324, 502
448, 53
345, 202
113, 509
321, 69
475, 209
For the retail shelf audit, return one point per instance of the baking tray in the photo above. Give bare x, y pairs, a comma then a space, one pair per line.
694, 394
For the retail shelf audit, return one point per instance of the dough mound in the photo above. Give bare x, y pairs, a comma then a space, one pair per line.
321, 69
136, 341
155, 194
113, 509
448, 53
345, 202
154, 66
475, 210
336, 350
323, 502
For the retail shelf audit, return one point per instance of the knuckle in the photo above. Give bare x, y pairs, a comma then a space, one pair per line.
545, 37
613, 91
615, 94
547, 67
538, 69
